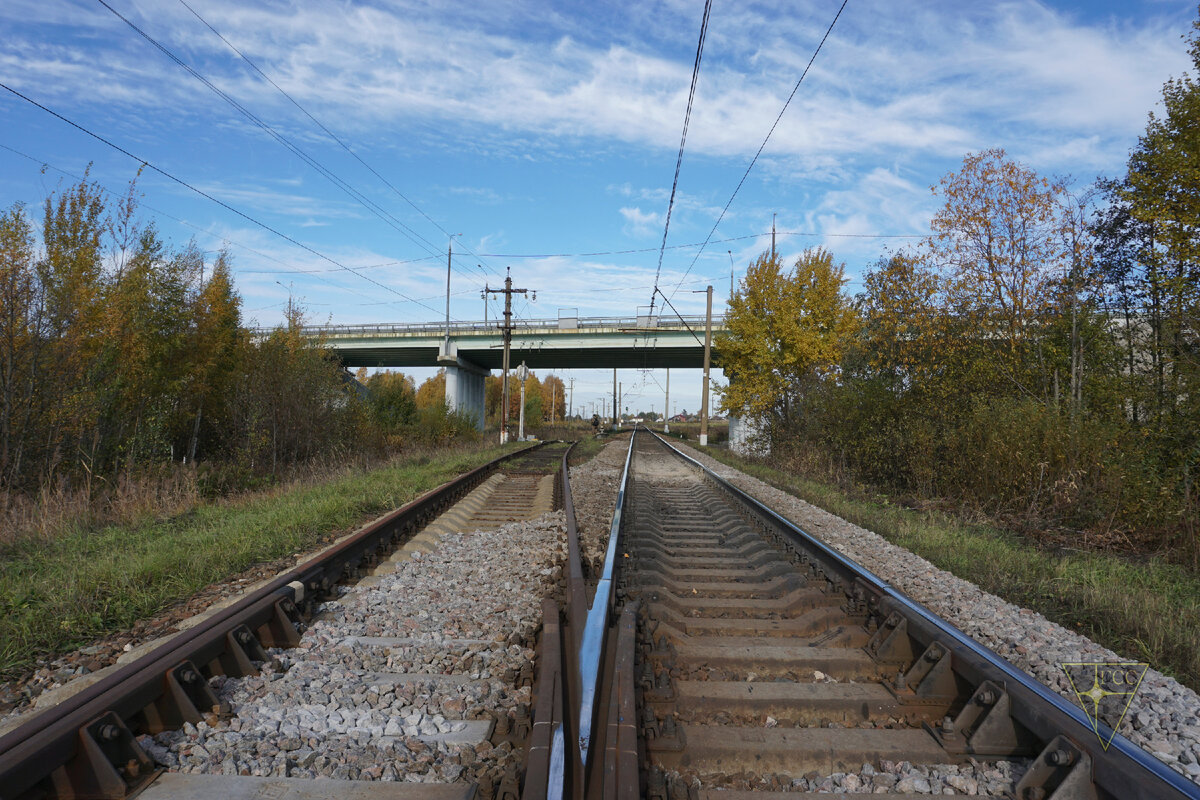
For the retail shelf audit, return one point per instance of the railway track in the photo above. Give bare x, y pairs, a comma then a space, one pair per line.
727, 655
405, 688
719, 653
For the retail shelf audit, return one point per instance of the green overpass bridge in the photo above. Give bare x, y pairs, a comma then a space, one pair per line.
470, 350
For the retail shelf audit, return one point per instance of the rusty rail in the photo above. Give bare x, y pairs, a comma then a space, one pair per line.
85, 746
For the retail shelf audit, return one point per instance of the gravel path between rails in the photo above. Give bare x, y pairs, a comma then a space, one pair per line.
469, 609
594, 487
1164, 716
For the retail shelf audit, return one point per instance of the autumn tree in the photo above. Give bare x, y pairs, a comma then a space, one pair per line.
1162, 196
218, 349
785, 333
432, 392
393, 399
1001, 241
21, 338
554, 401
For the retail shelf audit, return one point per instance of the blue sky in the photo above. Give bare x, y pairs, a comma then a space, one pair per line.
536, 129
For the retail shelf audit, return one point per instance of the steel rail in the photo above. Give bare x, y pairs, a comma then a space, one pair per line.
44, 749
1123, 770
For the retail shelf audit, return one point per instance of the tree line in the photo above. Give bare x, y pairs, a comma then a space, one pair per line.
1037, 356
400, 404
120, 354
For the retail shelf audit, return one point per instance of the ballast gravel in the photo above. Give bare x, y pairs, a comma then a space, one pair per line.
1164, 715
594, 486
387, 678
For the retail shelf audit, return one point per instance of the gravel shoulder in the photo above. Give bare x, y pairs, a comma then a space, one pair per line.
1163, 717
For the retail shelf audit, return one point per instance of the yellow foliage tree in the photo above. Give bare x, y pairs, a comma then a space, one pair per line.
554, 403
786, 330
432, 392
1002, 242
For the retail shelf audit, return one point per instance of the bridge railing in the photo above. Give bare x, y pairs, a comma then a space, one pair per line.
694, 321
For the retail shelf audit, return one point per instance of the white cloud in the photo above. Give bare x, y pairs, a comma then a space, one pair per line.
641, 223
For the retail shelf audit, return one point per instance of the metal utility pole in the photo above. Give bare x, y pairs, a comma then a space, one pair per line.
620, 397
508, 291
449, 254
707, 360
571, 406
614, 416
730, 276
772, 237
667, 405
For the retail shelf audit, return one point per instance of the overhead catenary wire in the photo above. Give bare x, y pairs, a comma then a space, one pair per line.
210, 197
329, 133
295, 149
712, 241
286, 269
766, 139
682, 141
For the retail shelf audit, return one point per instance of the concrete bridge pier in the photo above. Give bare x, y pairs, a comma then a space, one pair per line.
465, 388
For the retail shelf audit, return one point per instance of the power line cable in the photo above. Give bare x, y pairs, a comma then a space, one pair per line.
766, 139
712, 241
329, 175
327, 131
687, 117
286, 269
208, 196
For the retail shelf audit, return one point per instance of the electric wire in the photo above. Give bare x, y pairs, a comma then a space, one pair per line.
682, 141
712, 241
159, 212
296, 150
766, 139
208, 196
327, 131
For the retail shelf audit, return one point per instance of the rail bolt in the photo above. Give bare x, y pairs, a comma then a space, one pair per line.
1061, 758
244, 637
948, 730
108, 732
986, 697
188, 676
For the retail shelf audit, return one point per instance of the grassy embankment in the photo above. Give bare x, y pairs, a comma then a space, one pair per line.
1146, 610
86, 583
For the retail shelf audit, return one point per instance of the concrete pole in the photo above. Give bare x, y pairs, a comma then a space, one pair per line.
523, 375
667, 405
507, 342
614, 410
707, 360
571, 403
